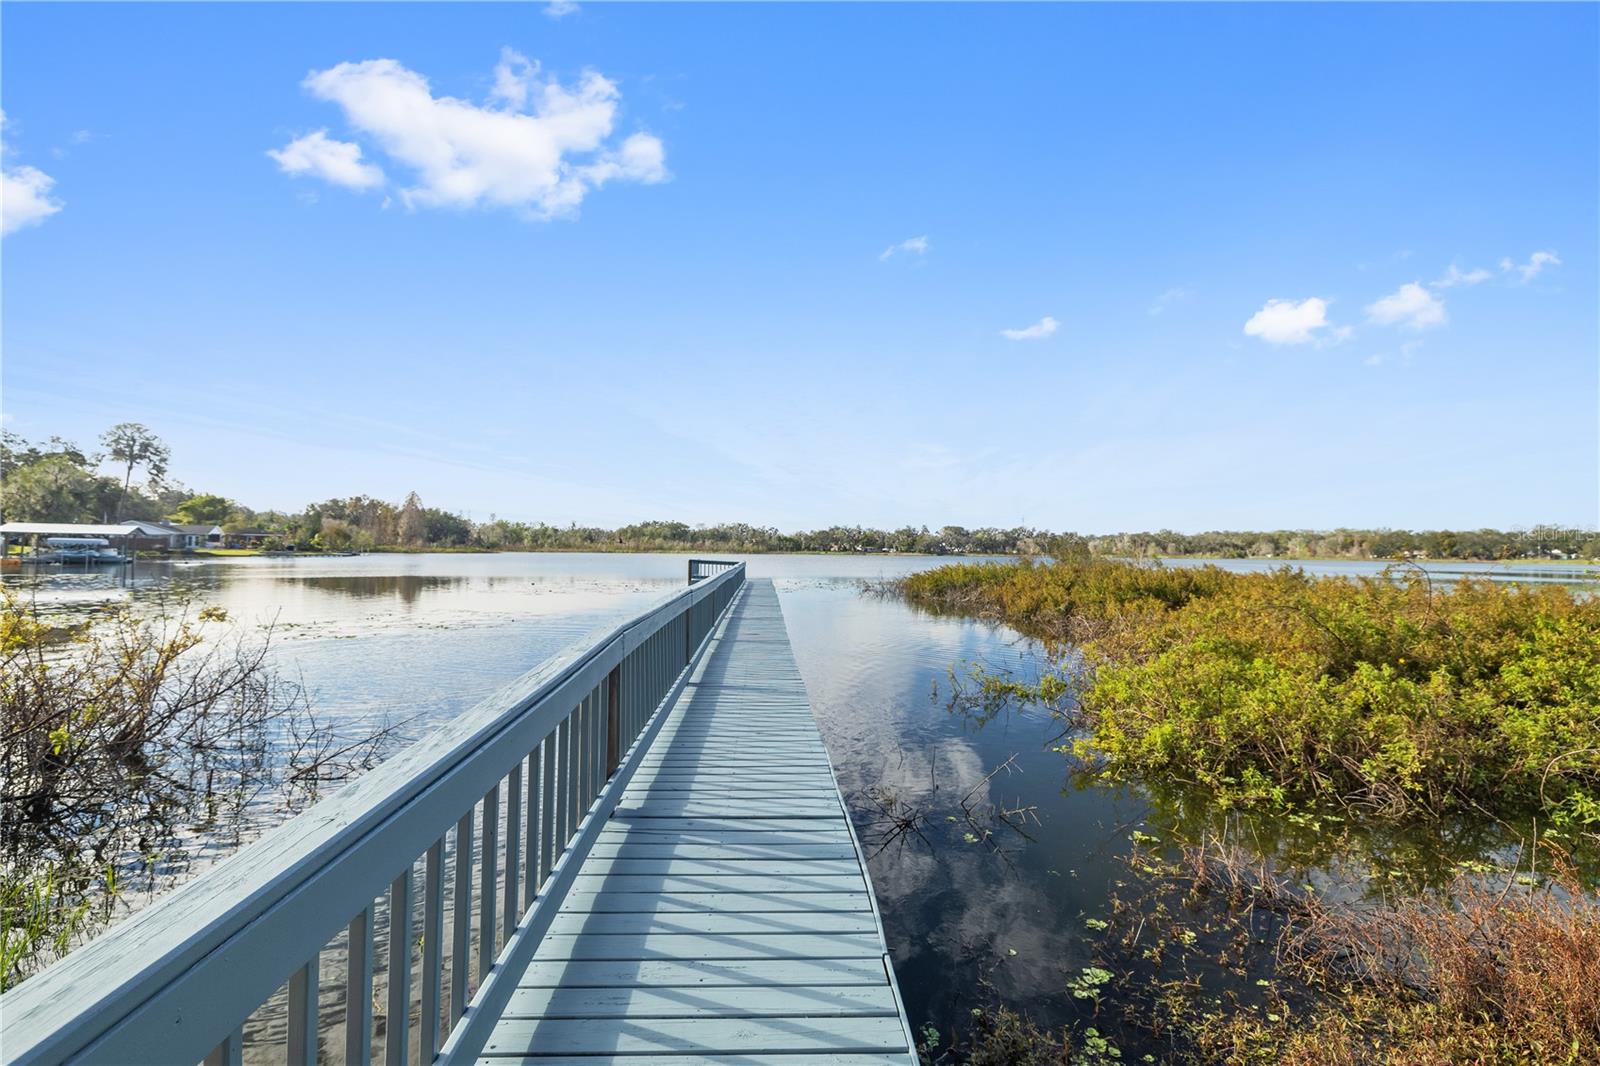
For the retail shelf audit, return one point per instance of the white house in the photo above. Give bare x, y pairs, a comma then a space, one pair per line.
180, 537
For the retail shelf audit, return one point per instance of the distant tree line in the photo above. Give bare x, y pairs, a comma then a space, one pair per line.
57, 481
1544, 541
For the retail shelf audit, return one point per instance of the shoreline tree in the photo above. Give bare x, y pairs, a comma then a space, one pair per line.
133, 445
412, 525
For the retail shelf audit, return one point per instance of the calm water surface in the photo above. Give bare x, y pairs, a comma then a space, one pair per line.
968, 899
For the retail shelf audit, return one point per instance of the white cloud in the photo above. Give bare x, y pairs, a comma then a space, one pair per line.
911, 246
318, 155
1456, 276
560, 9
1533, 267
1411, 306
513, 79
1167, 299
1038, 331
1292, 322
25, 198
538, 147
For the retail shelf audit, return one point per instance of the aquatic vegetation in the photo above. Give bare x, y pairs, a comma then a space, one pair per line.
125, 743
1221, 960
1000, 1037
1387, 694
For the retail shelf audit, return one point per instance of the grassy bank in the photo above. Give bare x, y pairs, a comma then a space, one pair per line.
1394, 695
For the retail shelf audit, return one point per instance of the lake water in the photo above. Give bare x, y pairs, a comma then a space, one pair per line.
970, 899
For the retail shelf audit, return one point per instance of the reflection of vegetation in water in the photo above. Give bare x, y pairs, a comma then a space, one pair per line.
1206, 955
1383, 695
128, 745
1220, 960
894, 820
407, 588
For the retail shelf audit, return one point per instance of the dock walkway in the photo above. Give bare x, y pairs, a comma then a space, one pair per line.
724, 913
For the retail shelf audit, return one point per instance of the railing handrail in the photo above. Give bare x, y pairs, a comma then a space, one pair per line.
178, 977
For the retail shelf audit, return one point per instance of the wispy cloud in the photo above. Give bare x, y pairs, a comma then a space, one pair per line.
338, 162
74, 140
1295, 322
25, 198
537, 146
1407, 351
1533, 267
1456, 276
1038, 331
514, 78
909, 246
560, 9
1411, 306
1167, 299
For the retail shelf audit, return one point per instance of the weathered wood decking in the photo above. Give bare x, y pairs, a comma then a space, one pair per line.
724, 914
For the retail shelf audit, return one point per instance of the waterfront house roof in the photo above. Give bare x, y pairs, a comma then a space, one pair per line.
151, 529
68, 529
201, 530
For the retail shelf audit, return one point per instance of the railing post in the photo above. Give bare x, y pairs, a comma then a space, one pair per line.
530, 844
547, 810
397, 1026
509, 918
303, 1014
461, 941
358, 989
488, 945
613, 719
230, 1052
432, 949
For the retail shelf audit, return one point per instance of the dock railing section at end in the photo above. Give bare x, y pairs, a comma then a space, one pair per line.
489, 816
701, 569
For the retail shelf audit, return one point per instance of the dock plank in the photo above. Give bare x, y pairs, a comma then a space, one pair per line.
644, 922
696, 1036
657, 973
749, 1001
722, 902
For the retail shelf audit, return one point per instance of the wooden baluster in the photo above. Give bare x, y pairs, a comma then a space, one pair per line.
303, 1014
358, 990
547, 808
432, 949
575, 776
509, 919
488, 949
397, 1027
230, 1052
530, 848
461, 919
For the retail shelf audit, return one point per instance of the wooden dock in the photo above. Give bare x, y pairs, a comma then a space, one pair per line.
723, 914
635, 853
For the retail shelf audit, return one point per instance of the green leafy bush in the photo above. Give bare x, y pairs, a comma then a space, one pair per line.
1388, 692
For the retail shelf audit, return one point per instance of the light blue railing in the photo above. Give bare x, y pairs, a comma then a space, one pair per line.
498, 809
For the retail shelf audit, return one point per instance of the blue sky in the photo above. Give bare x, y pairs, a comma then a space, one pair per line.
1083, 267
